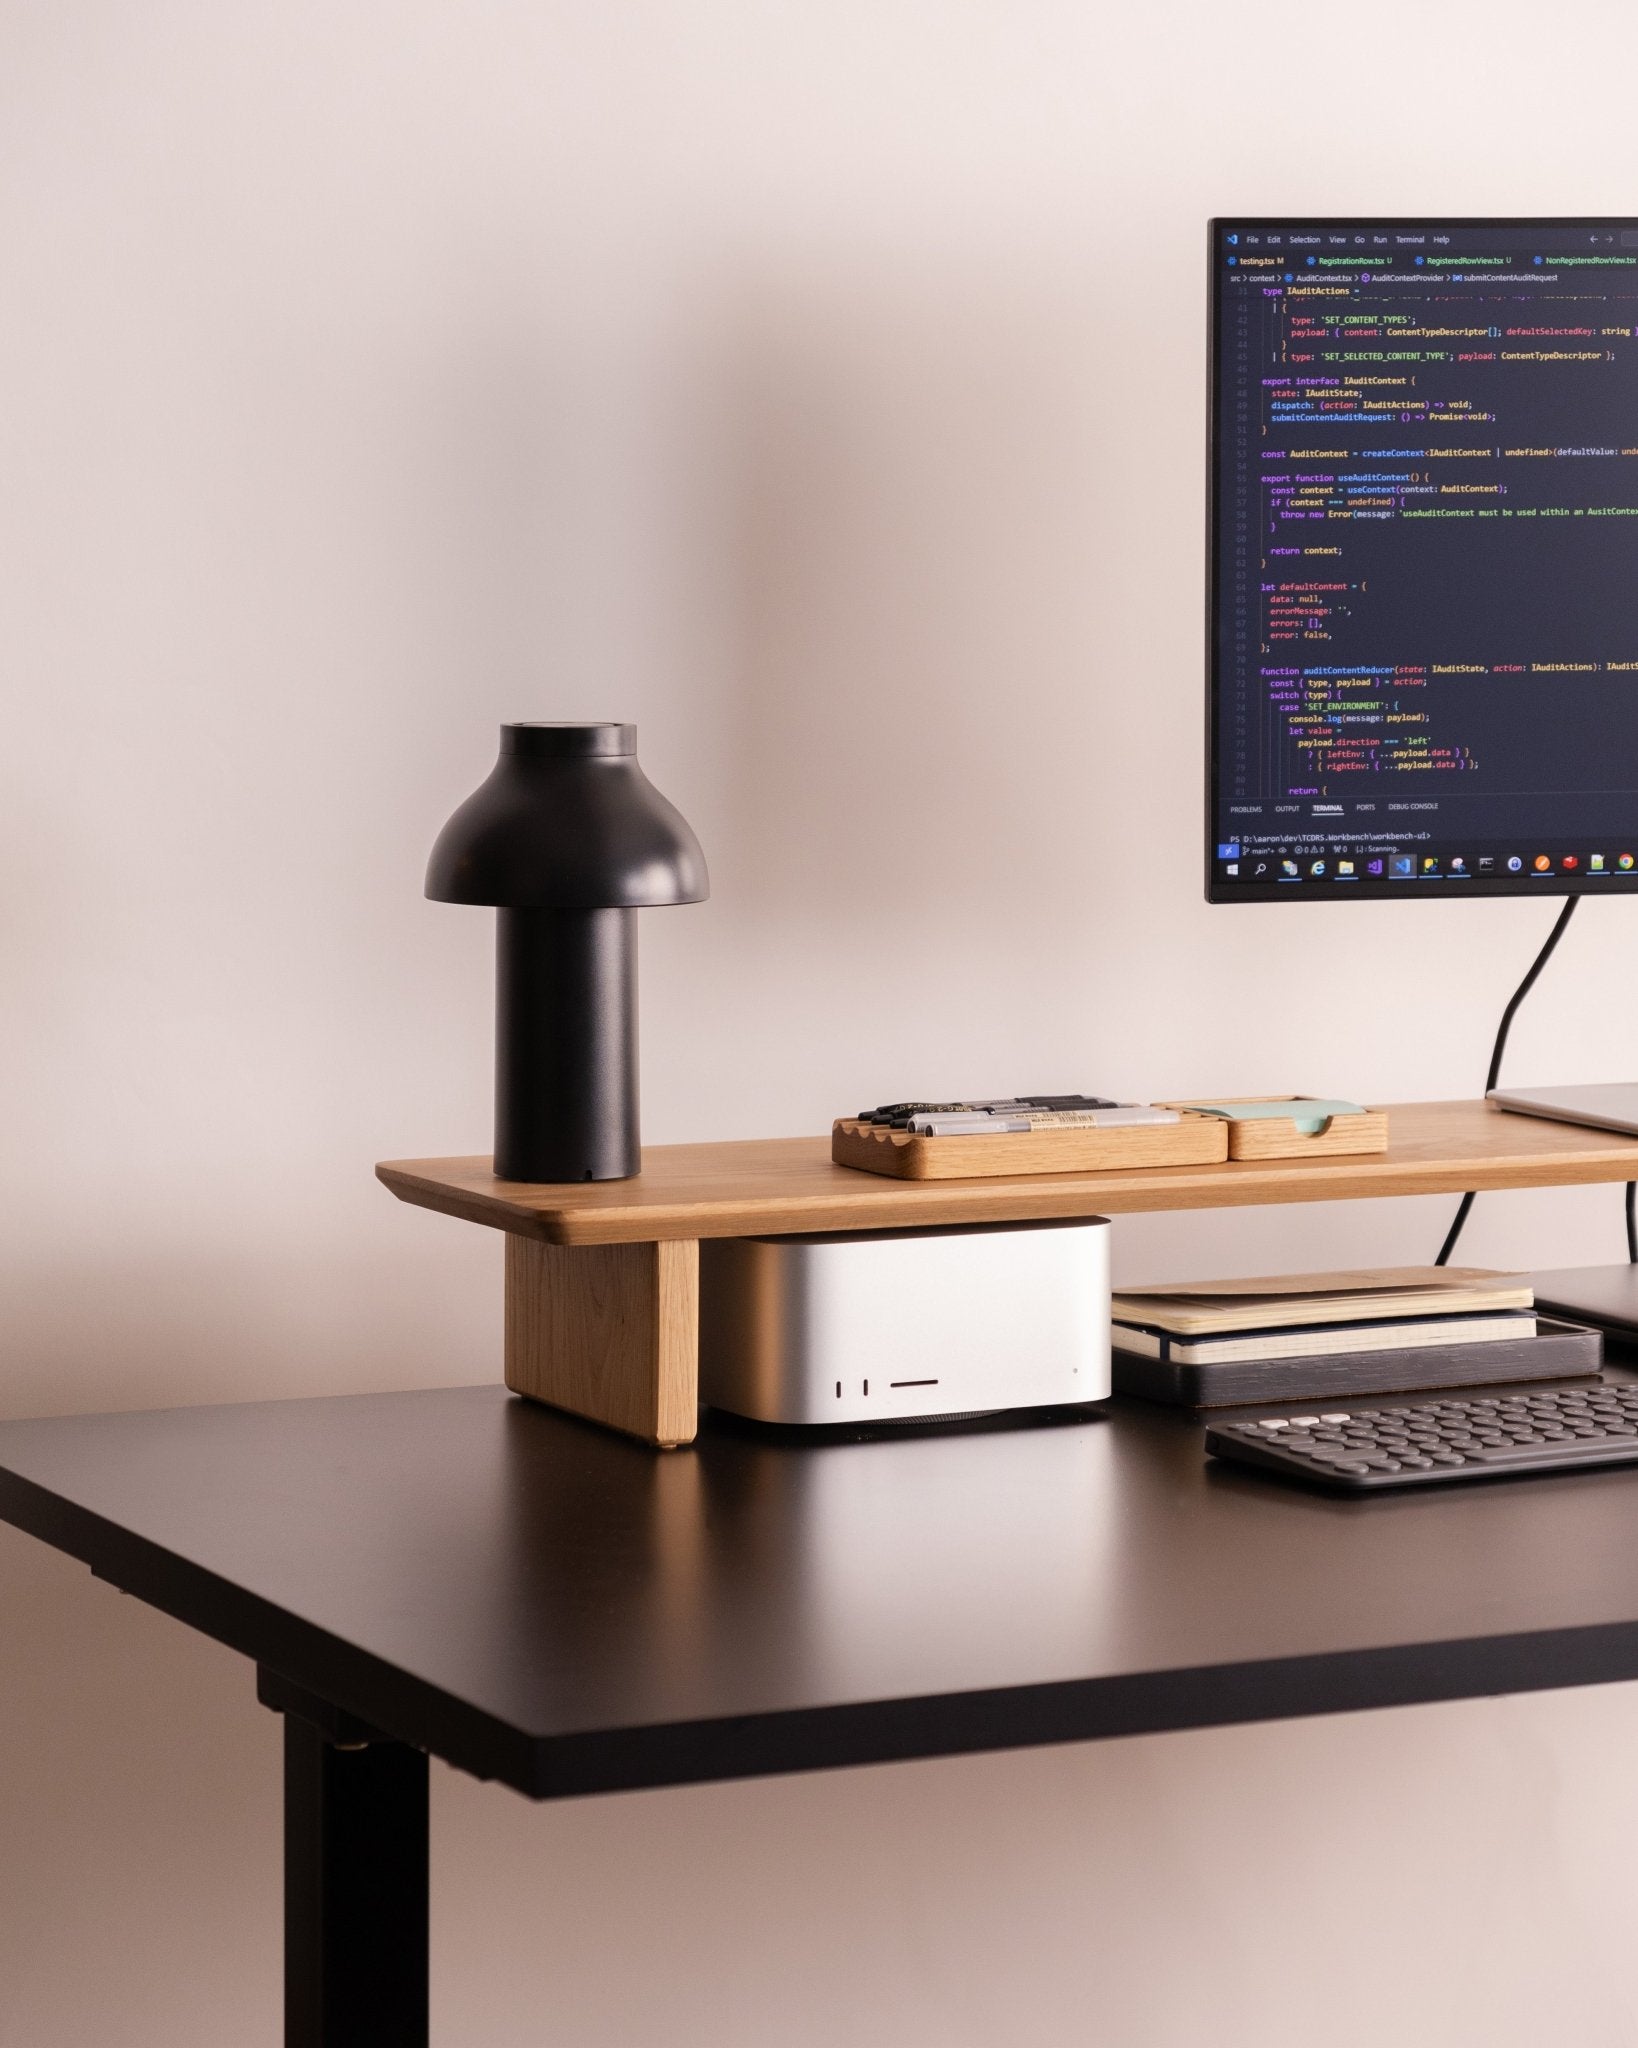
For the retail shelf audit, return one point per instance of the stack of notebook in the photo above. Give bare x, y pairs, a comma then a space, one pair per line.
1304, 1336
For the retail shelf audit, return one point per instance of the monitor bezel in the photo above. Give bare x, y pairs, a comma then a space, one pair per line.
1439, 889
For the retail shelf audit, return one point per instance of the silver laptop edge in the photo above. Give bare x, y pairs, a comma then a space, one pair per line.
1604, 1105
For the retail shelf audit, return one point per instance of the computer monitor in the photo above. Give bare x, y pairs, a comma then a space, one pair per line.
1423, 613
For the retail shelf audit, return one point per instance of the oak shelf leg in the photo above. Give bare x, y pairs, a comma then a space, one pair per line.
610, 1332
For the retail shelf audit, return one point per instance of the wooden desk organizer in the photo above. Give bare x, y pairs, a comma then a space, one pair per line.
1196, 1141
1277, 1137
602, 1277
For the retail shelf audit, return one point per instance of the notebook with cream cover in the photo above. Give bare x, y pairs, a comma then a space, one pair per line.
1271, 1302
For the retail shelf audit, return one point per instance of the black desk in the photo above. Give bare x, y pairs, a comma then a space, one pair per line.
533, 1600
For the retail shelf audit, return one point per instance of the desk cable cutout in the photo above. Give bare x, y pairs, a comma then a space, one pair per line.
1494, 1076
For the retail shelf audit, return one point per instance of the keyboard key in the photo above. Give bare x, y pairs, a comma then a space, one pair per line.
1503, 1454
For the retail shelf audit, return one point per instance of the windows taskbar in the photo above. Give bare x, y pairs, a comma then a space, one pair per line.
1300, 865
1239, 872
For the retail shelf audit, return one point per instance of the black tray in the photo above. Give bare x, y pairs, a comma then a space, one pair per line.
1557, 1351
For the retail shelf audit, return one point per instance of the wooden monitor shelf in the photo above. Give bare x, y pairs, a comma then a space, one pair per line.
602, 1277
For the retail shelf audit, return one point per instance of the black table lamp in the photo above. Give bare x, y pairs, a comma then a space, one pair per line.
567, 838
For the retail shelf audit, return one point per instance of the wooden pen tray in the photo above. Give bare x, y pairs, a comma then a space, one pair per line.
1277, 1137
1195, 1141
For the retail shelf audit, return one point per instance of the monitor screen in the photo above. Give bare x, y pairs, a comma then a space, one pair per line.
1423, 613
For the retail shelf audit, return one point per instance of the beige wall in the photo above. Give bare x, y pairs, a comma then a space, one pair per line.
819, 385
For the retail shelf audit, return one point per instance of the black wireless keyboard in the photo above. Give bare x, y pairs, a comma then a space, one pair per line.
1358, 1449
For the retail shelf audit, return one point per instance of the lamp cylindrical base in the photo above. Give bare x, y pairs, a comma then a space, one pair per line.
566, 1045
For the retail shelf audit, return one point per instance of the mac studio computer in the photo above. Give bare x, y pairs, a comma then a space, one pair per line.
1423, 612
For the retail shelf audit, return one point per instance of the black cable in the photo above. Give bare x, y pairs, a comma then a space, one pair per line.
1494, 1075
1632, 1223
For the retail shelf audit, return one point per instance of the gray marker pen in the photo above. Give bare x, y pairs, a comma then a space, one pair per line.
964, 1125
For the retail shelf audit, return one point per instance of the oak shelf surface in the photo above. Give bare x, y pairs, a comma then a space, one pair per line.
780, 1186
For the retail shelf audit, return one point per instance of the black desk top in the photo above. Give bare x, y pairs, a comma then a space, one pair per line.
540, 1602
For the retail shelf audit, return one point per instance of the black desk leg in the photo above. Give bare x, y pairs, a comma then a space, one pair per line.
355, 1892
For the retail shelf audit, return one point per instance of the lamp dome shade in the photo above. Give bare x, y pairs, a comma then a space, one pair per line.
567, 821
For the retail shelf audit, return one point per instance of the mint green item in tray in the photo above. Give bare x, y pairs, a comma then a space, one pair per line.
1309, 1116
